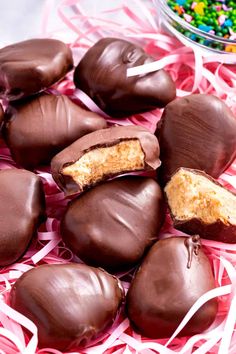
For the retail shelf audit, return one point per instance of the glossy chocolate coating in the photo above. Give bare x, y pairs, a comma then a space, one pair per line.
174, 274
196, 131
31, 66
217, 231
37, 129
103, 138
22, 208
125, 216
69, 303
220, 230
102, 74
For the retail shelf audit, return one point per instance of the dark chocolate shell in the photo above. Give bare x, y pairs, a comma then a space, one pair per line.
32, 66
22, 209
199, 132
112, 225
102, 74
172, 277
38, 128
103, 154
70, 304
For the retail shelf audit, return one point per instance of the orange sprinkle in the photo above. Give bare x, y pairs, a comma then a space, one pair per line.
178, 9
230, 48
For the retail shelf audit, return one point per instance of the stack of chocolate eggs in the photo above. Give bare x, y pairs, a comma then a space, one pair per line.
121, 181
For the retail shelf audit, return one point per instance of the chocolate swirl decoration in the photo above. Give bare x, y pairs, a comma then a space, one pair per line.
193, 244
168, 289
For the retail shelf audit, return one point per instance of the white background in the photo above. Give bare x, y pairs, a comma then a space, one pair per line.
22, 19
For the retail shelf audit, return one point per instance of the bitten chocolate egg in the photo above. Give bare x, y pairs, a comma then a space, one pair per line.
196, 131
102, 74
199, 204
38, 128
124, 218
22, 208
31, 66
172, 277
69, 303
103, 154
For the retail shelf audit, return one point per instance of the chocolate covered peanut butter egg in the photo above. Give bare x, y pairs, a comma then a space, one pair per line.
112, 225
199, 204
22, 209
196, 131
32, 66
38, 128
103, 154
70, 304
172, 277
102, 74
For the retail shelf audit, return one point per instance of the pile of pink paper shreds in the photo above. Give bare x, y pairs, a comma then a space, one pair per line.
192, 73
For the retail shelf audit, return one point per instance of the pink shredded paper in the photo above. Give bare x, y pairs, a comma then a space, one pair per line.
192, 72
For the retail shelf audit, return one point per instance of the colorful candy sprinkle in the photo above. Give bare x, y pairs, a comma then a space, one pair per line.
178, 9
205, 28
188, 18
199, 8
230, 48
181, 2
221, 19
216, 17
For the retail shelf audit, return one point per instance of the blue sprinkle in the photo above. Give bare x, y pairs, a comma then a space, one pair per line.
181, 2
228, 23
207, 42
205, 28
193, 37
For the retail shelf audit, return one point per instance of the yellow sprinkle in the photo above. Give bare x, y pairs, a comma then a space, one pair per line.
199, 8
230, 48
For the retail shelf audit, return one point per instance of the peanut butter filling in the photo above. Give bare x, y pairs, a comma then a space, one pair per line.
191, 195
99, 162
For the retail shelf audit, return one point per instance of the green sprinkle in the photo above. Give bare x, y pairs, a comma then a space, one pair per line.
208, 15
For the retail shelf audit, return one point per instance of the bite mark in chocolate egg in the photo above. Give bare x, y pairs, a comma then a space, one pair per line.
97, 163
103, 154
199, 204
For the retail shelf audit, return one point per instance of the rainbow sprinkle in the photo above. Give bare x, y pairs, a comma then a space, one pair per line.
215, 17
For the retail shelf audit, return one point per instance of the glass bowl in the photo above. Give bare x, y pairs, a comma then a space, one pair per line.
190, 35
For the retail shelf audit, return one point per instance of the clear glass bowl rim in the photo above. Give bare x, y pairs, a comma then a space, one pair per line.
168, 11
